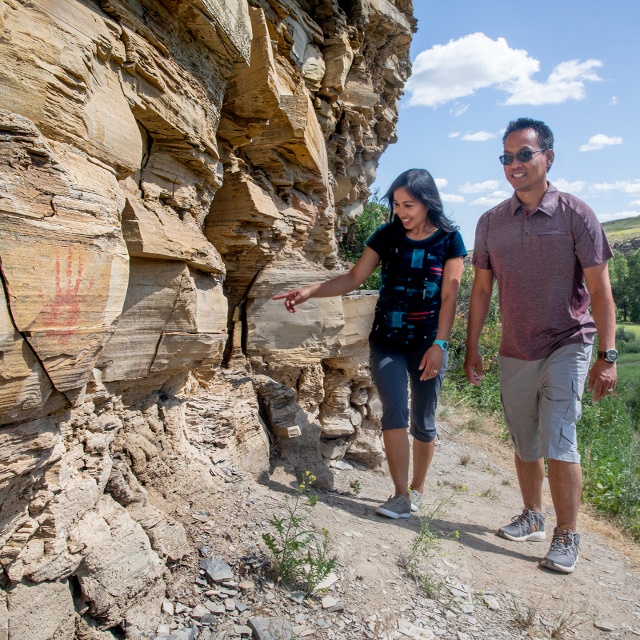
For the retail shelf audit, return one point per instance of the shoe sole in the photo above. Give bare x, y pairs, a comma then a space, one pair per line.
391, 514
536, 536
414, 508
548, 564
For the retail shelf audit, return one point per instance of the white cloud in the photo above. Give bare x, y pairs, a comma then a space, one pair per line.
458, 109
479, 187
479, 136
455, 134
620, 215
600, 141
441, 182
570, 187
625, 186
451, 197
565, 82
461, 67
492, 199
635, 203
613, 100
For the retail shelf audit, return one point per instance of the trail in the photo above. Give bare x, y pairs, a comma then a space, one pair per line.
488, 586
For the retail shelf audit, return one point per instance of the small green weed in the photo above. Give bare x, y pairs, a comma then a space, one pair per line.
300, 554
424, 545
566, 623
524, 615
356, 486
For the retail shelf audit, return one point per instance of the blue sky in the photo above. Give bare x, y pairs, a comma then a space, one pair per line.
477, 65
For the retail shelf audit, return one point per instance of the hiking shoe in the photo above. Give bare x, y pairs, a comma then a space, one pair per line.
395, 507
563, 554
416, 499
529, 525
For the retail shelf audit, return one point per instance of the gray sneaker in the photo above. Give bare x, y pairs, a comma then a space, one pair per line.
529, 525
395, 507
563, 554
416, 499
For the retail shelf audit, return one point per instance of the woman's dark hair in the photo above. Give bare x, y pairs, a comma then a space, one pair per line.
421, 186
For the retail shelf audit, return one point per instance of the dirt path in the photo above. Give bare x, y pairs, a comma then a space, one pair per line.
488, 586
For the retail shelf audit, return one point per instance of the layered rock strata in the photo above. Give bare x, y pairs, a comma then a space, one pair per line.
166, 167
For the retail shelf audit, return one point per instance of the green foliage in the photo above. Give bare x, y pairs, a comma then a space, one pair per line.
625, 284
422, 548
627, 341
619, 231
629, 385
354, 241
300, 554
610, 448
486, 398
356, 486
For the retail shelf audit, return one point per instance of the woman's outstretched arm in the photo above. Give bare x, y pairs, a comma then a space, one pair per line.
336, 286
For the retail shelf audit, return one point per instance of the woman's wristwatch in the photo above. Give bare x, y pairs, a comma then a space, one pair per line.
443, 344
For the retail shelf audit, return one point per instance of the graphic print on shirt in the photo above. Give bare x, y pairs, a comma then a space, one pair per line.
410, 284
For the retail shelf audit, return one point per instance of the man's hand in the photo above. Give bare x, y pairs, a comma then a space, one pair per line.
473, 367
602, 379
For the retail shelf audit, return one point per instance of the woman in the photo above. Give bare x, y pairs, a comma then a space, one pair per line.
421, 254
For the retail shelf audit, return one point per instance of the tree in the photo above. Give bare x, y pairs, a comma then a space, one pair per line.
354, 241
632, 286
619, 273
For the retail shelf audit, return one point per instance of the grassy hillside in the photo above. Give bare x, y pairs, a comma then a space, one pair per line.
622, 231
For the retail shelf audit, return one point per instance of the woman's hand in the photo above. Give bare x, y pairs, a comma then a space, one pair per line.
294, 298
431, 363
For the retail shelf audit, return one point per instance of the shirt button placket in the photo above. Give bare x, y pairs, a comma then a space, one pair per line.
527, 229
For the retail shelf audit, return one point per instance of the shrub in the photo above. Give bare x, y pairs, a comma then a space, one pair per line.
627, 341
353, 243
300, 554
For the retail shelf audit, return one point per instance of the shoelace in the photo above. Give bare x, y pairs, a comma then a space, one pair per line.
562, 541
525, 516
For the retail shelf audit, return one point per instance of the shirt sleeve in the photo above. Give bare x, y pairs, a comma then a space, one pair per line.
592, 246
480, 256
379, 239
456, 247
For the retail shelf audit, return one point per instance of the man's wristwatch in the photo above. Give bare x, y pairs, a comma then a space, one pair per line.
610, 355
444, 345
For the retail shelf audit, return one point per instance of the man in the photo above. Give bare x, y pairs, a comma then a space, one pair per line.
548, 253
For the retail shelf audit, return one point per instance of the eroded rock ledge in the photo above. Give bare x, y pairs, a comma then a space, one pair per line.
166, 167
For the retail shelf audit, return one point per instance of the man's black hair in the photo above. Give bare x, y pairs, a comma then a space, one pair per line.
545, 135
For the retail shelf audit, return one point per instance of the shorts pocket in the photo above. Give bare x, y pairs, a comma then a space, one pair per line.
568, 434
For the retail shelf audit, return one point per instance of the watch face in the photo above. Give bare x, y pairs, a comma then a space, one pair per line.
610, 355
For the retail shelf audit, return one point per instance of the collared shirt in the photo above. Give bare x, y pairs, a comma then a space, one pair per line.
538, 259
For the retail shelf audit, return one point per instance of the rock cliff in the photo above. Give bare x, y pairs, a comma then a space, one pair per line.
166, 167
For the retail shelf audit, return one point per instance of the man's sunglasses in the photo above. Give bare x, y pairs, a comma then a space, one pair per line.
524, 155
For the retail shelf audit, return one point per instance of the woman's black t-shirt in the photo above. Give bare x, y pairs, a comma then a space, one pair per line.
410, 284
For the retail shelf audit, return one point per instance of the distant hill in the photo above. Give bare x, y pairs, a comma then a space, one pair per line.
624, 235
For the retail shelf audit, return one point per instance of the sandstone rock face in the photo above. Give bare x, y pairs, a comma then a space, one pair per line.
166, 167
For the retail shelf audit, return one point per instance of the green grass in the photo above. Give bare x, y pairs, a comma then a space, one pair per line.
630, 326
629, 367
621, 230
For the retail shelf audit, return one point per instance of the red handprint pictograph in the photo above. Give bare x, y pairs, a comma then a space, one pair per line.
60, 316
